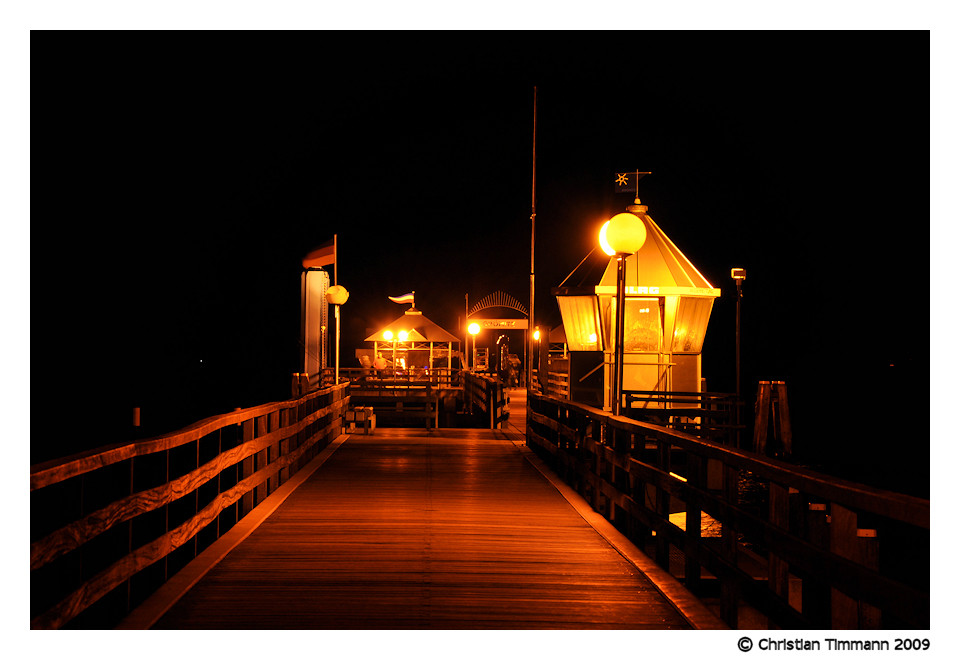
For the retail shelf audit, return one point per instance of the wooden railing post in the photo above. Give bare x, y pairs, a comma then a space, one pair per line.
491, 397
729, 587
815, 594
778, 574
246, 469
663, 505
697, 478
860, 546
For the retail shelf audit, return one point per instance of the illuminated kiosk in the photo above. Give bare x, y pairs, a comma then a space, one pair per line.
666, 311
414, 341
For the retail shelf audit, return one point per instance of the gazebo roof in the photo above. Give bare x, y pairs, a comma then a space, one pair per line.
659, 263
419, 326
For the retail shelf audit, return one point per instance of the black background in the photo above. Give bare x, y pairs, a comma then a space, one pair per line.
179, 178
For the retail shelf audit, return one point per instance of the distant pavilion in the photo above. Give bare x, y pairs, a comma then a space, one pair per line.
416, 340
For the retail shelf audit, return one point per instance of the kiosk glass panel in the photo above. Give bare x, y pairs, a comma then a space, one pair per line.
642, 325
581, 322
691, 324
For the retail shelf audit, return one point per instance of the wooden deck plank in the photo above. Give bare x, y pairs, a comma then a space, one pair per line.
424, 529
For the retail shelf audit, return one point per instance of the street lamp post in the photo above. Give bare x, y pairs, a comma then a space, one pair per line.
473, 329
537, 350
621, 236
738, 275
336, 296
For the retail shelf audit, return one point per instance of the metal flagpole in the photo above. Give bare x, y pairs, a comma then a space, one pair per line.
533, 225
336, 311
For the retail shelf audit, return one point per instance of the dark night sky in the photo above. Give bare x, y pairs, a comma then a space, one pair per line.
179, 178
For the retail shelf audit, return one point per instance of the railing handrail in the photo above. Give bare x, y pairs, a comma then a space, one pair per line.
626, 465
60, 469
237, 460
899, 506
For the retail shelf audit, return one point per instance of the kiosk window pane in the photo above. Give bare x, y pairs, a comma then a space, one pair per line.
691, 325
581, 322
642, 327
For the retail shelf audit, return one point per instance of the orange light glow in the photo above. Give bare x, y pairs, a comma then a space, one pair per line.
473, 328
536, 335
624, 233
604, 245
402, 335
388, 334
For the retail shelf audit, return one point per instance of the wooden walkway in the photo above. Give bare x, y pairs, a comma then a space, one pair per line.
427, 529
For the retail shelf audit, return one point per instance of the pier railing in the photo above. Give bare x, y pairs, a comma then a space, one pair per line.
803, 549
486, 394
709, 415
110, 526
438, 378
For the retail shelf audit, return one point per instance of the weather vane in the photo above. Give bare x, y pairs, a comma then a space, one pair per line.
630, 182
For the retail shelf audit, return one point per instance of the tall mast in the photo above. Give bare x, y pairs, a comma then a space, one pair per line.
533, 225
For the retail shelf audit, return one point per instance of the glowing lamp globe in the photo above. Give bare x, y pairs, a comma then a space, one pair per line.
388, 335
473, 328
624, 233
337, 295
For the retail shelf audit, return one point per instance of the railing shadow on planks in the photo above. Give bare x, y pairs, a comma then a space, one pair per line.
805, 550
110, 526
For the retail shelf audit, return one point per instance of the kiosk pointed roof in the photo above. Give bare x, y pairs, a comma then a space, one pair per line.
659, 263
419, 326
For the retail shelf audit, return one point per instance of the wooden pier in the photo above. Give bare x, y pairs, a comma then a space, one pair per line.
273, 518
431, 529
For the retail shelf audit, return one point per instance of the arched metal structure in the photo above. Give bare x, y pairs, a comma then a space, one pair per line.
502, 300
498, 299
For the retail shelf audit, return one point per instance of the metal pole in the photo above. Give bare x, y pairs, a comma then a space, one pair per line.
336, 381
618, 347
738, 404
528, 349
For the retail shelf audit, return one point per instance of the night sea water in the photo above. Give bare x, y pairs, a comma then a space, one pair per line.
856, 435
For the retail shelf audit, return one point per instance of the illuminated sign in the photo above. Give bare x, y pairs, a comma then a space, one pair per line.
502, 324
659, 291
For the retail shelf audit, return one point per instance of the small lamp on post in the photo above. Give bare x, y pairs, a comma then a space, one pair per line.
538, 348
621, 236
473, 329
336, 296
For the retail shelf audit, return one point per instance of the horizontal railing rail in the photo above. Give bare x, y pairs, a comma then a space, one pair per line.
109, 526
710, 415
558, 384
802, 548
439, 378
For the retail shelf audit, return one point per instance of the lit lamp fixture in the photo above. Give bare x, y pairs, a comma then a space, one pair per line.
621, 236
401, 336
336, 296
474, 329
